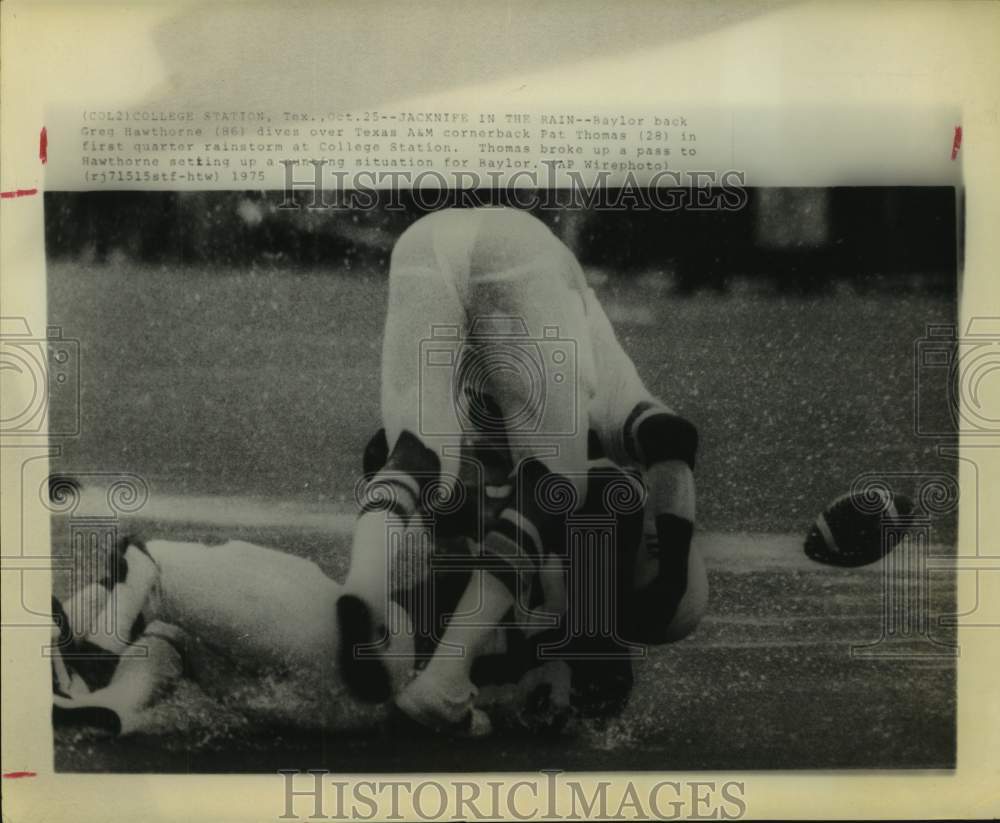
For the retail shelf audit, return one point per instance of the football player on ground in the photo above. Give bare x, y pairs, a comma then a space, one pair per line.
224, 614
256, 628
499, 286
248, 623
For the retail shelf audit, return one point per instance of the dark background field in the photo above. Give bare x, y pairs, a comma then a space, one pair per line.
259, 377
266, 382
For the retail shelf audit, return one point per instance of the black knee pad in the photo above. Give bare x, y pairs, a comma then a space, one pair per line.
659, 436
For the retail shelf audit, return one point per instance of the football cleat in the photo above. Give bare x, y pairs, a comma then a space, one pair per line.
77, 712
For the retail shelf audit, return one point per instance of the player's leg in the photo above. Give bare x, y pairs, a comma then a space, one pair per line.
597, 595
671, 585
529, 352
671, 582
424, 329
264, 608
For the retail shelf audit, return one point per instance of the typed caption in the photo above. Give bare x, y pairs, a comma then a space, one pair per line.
226, 149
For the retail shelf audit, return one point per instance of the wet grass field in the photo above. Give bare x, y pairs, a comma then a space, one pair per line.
263, 384
791, 669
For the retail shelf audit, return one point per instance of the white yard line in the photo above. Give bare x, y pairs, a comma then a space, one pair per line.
722, 550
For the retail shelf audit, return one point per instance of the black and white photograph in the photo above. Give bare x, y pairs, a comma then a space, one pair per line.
488, 482
487, 411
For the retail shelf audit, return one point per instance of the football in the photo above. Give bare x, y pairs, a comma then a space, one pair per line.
852, 531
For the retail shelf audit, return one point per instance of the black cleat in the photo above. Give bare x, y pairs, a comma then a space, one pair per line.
67, 713
365, 675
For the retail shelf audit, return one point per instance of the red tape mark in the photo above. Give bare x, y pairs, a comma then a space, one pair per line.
43, 155
7, 195
14, 775
956, 144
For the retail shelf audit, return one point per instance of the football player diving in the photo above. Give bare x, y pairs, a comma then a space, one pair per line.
493, 333
540, 498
